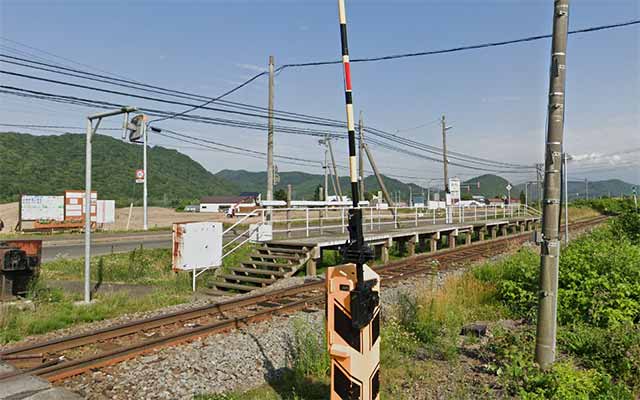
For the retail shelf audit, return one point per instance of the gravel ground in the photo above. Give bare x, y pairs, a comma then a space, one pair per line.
196, 302
239, 360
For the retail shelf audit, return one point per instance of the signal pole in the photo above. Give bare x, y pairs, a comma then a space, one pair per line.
550, 248
270, 173
361, 156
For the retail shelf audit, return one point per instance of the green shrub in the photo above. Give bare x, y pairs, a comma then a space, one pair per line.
628, 224
614, 350
310, 356
521, 377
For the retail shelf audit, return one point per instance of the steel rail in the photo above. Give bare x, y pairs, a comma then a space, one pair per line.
281, 301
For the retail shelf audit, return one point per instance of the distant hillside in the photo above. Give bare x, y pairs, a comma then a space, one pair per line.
487, 185
304, 184
50, 164
577, 189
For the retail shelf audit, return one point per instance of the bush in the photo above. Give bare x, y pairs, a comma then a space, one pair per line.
310, 356
614, 350
628, 224
521, 377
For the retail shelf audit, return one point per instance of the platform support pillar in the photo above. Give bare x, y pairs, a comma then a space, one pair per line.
433, 242
503, 230
494, 232
316, 255
481, 233
467, 238
451, 238
411, 246
385, 251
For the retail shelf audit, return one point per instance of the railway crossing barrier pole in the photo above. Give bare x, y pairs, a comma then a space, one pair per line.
550, 246
353, 290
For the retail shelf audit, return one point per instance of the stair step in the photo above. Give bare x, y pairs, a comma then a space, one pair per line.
275, 256
285, 250
245, 278
268, 264
236, 286
259, 271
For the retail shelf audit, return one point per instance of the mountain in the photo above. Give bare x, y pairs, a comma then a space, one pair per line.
50, 164
577, 189
487, 185
304, 185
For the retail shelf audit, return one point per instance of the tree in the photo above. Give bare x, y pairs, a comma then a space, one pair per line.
280, 194
466, 196
523, 198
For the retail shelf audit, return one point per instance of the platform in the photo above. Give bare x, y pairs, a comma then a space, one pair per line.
437, 235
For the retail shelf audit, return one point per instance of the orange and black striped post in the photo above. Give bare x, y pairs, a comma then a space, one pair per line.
353, 301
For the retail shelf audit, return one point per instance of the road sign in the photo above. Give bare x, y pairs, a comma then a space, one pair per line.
139, 176
509, 187
454, 189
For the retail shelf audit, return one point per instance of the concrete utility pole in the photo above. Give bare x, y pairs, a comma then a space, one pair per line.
326, 174
445, 161
550, 249
566, 198
335, 170
361, 156
376, 172
145, 140
270, 173
539, 168
586, 188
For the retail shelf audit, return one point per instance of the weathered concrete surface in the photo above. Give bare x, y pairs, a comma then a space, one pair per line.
28, 387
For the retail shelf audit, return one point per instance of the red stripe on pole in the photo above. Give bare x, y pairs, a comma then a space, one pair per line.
347, 76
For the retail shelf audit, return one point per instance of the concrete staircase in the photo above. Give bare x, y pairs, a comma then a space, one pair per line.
266, 265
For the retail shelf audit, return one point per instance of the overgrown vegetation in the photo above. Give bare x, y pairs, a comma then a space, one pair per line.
54, 309
598, 336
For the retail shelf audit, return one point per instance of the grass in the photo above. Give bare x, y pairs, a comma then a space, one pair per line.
54, 309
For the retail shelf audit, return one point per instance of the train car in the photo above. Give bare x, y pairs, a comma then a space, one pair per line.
19, 265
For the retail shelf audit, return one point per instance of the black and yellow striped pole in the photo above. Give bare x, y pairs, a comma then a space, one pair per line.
353, 305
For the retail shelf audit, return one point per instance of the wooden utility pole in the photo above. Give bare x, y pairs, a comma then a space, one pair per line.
361, 157
445, 161
270, 174
550, 248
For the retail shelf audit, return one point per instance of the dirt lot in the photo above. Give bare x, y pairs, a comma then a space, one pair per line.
158, 218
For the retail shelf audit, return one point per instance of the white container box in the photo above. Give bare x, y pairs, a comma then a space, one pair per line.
196, 245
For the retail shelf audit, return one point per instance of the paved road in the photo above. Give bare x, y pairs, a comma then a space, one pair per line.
73, 247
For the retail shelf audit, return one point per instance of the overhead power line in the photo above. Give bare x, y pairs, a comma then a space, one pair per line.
224, 122
462, 48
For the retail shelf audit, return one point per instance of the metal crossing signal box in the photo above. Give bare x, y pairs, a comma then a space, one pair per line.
354, 351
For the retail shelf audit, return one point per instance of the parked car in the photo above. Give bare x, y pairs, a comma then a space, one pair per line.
192, 208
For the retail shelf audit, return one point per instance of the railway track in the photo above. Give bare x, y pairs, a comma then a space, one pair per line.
64, 357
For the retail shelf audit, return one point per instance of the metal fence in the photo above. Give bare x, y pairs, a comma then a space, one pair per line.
306, 222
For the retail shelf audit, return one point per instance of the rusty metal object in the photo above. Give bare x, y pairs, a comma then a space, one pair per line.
129, 340
19, 264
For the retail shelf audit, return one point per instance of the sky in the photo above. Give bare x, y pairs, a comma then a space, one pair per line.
494, 99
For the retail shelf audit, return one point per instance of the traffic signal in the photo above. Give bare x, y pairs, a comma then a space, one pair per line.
135, 128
